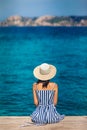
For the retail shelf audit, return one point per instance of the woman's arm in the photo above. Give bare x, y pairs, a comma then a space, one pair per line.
55, 94
34, 95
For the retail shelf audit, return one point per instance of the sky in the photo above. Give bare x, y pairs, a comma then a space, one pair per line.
35, 8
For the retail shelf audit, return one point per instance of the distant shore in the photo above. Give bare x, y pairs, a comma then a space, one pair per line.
68, 21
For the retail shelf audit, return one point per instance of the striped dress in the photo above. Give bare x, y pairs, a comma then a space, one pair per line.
45, 112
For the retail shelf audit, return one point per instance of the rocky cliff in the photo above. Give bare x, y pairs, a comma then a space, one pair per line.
45, 21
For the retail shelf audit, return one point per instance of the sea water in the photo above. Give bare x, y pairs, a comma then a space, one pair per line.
23, 48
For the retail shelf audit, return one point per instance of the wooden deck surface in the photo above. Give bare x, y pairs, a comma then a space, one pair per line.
68, 123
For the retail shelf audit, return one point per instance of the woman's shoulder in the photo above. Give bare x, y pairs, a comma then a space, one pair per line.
34, 83
54, 85
34, 86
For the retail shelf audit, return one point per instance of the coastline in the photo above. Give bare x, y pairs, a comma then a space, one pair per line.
68, 123
43, 26
46, 20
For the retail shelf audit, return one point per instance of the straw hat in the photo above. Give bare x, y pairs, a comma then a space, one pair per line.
45, 71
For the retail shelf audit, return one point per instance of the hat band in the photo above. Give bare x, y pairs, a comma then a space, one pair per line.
44, 72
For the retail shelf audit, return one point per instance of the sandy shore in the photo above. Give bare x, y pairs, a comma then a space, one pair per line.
68, 123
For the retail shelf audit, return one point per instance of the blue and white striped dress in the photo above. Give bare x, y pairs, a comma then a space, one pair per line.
45, 112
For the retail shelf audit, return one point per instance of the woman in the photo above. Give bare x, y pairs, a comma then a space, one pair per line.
45, 96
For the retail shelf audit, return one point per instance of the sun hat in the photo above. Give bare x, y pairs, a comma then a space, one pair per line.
44, 71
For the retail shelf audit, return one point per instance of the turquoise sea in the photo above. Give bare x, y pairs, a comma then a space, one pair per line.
23, 48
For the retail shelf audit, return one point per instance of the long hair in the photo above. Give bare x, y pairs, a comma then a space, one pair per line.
44, 83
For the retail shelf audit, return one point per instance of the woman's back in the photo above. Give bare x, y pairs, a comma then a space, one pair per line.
50, 86
45, 95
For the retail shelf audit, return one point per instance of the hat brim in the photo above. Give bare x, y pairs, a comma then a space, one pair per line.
49, 76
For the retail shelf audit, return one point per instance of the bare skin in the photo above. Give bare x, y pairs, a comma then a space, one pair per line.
51, 86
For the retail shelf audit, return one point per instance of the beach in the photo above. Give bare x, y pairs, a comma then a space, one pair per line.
68, 123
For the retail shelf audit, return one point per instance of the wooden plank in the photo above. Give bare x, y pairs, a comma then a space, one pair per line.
68, 123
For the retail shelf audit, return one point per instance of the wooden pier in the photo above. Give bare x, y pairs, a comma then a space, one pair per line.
68, 123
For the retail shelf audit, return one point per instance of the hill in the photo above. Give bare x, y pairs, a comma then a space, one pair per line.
45, 21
